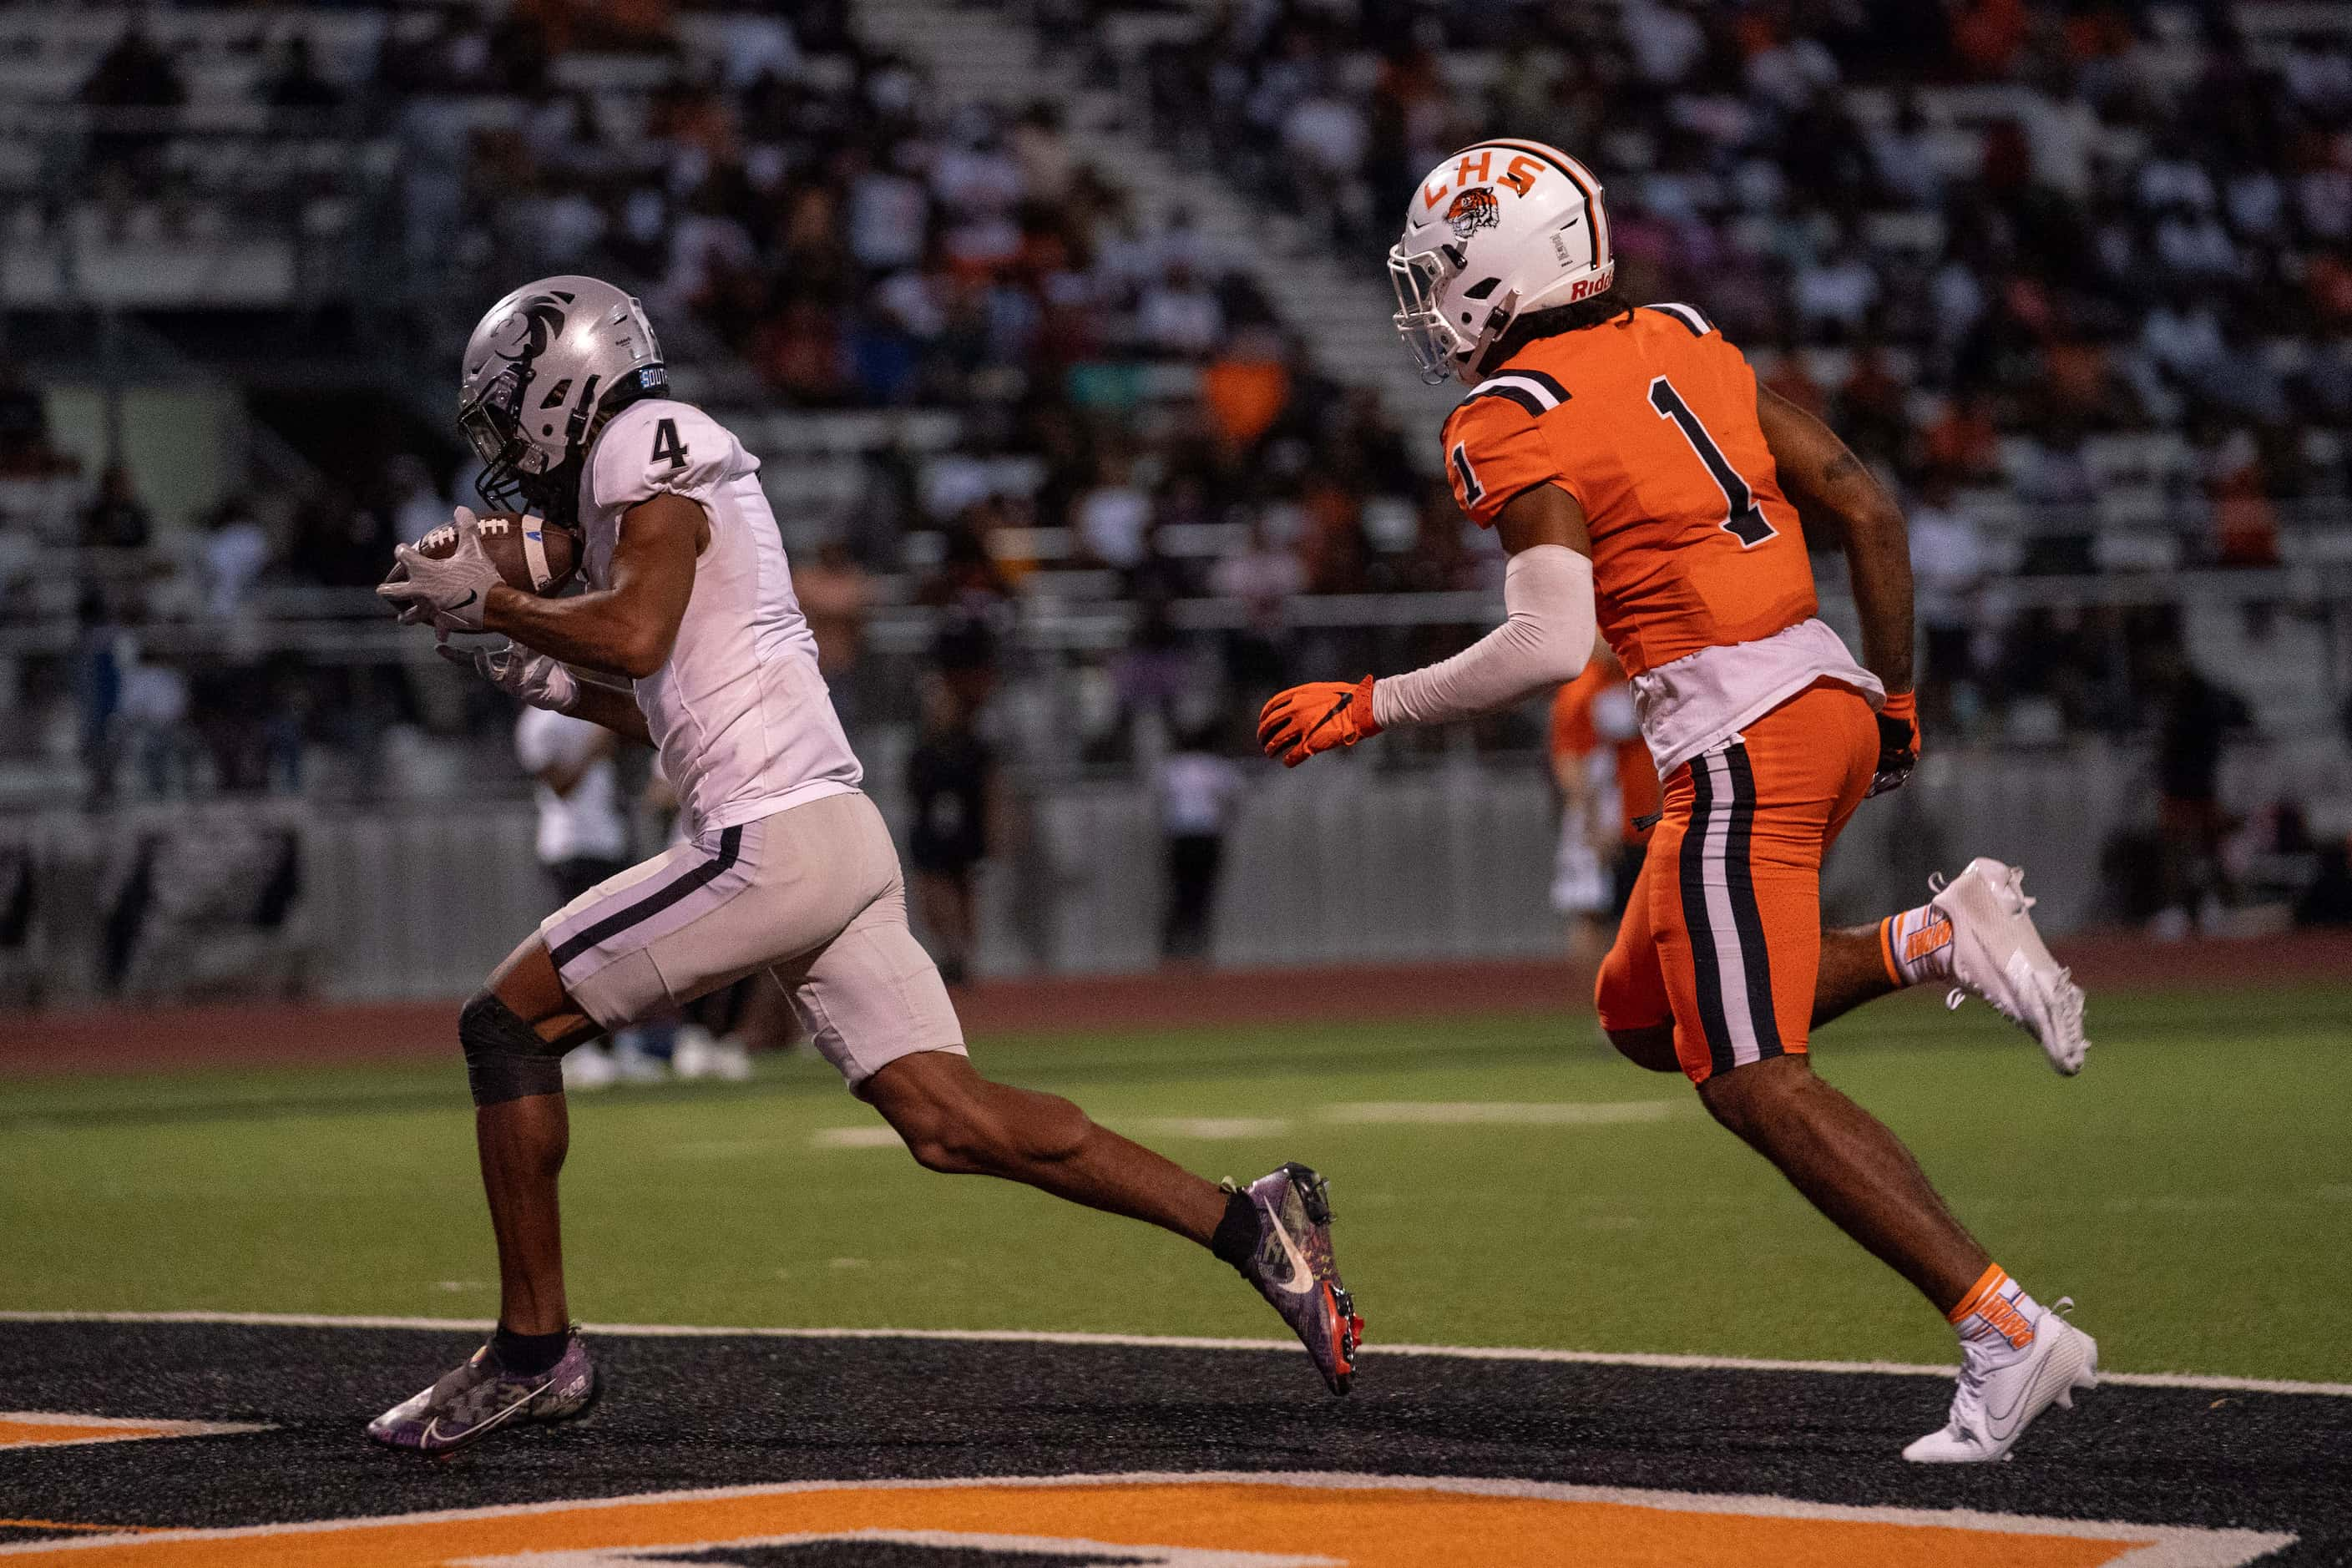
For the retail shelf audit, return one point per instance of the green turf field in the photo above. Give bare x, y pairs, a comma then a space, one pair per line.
2192, 1190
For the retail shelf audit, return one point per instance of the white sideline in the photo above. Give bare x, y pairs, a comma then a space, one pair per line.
1185, 1342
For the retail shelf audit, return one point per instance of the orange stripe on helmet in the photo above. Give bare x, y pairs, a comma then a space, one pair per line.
1596, 214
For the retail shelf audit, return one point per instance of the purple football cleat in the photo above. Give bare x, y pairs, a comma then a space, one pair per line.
478, 1398
1293, 1270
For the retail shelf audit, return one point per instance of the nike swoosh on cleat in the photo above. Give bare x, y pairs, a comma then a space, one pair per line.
2002, 1426
1302, 1277
433, 1426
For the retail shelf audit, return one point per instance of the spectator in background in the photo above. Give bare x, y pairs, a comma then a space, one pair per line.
116, 518
2195, 720
1042, 152
1871, 409
837, 599
1113, 517
135, 75
102, 651
1963, 441
340, 543
975, 603
1180, 316
1665, 39
153, 718
1264, 577
2245, 522
889, 212
236, 551
583, 838
1948, 564
295, 82
412, 502
1155, 674
1197, 789
25, 447
1246, 388
1837, 290
951, 782
1608, 786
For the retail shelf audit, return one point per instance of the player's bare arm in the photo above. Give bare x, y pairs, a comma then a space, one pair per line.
611, 707
1545, 638
1838, 498
627, 628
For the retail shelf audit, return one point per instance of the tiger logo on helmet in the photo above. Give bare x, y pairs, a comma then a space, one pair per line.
1499, 229
1473, 210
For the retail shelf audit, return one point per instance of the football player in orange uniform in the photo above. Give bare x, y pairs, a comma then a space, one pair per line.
1639, 477
1609, 796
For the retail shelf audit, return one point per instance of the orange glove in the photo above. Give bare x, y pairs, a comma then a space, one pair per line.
1295, 724
1898, 740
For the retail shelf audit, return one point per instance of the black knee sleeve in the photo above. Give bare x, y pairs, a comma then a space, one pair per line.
505, 1058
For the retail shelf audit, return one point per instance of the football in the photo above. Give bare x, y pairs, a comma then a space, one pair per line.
530, 555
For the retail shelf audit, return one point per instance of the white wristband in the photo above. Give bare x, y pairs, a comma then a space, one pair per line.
1545, 638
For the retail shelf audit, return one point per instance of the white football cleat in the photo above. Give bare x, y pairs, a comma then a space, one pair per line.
700, 1054
689, 1051
632, 1063
729, 1059
1994, 1405
587, 1067
1997, 954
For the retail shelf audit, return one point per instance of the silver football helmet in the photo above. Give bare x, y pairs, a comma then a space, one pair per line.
543, 371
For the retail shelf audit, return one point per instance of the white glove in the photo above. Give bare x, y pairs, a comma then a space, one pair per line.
534, 677
453, 592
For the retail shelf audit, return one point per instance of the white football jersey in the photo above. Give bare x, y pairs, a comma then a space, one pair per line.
740, 714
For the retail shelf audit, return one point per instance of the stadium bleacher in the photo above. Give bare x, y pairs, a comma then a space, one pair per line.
1108, 323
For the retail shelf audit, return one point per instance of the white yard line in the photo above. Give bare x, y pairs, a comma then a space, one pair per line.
1500, 1113
1362, 1114
1212, 1129
1185, 1341
855, 1137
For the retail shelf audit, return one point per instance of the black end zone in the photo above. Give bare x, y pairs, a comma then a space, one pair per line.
698, 1412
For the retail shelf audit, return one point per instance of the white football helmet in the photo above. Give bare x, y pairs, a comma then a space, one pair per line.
1499, 229
546, 366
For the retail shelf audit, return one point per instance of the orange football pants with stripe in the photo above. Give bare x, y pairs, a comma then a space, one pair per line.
1723, 936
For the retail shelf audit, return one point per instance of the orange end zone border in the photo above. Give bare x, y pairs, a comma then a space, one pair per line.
50, 1428
1206, 1521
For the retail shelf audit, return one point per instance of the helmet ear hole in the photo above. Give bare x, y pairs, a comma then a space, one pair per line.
1480, 290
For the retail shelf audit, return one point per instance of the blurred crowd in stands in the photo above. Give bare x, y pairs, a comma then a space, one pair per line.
2086, 251
2086, 258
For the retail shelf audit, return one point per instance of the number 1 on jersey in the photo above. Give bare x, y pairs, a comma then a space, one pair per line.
1742, 518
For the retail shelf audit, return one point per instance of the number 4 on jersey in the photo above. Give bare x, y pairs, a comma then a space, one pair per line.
1743, 518
667, 445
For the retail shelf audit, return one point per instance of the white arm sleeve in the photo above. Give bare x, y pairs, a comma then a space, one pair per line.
1545, 638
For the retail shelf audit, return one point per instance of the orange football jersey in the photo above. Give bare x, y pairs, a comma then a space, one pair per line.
1649, 421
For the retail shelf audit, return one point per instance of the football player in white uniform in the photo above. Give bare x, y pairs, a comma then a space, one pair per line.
786, 866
